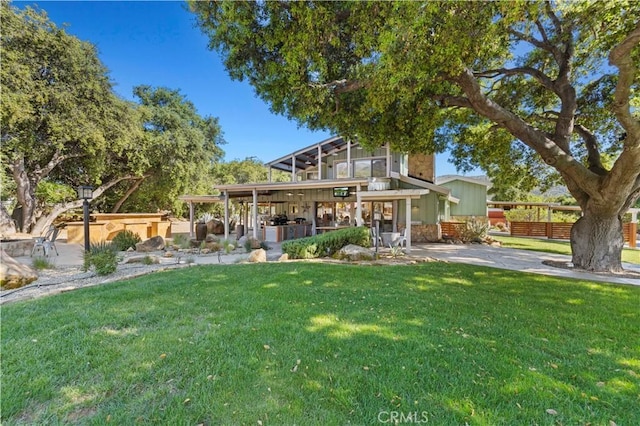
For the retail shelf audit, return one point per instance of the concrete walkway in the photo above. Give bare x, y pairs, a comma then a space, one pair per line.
71, 255
516, 260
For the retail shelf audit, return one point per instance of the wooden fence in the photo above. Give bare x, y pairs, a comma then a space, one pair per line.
562, 231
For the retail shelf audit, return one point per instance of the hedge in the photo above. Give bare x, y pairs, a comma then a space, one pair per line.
326, 244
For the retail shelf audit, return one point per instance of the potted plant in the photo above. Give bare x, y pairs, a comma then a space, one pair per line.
201, 226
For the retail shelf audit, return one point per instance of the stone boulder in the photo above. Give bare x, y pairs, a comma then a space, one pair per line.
211, 238
284, 257
14, 274
215, 226
354, 252
148, 259
258, 256
152, 244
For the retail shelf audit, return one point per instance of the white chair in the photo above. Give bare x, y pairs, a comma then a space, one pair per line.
402, 241
47, 242
374, 237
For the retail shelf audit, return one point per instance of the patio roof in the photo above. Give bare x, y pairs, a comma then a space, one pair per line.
306, 158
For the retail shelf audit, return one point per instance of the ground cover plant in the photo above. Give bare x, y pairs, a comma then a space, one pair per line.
312, 343
552, 246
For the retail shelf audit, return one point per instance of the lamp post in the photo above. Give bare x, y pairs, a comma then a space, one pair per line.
85, 193
377, 216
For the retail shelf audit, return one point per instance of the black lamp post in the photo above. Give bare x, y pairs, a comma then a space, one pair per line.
85, 193
377, 217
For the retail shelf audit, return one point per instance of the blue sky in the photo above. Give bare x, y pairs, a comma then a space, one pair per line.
157, 43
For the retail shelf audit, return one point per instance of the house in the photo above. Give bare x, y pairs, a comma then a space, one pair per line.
472, 193
337, 183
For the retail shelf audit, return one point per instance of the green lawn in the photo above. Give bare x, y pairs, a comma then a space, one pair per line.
326, 344
552, 246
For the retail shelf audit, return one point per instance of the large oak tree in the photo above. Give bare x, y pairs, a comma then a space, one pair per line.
512, 86
63, 126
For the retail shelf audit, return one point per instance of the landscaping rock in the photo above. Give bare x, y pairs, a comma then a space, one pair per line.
152, 244
215, 226
149, 259
14, 274
211, 238
354, 252
258, 256
284, 257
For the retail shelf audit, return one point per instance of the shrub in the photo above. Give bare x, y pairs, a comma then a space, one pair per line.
125, 240
148, 260
326, 244
474, 231
40, 263
181, 241
102, 257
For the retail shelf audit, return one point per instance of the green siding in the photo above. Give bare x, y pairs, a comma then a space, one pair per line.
473, 198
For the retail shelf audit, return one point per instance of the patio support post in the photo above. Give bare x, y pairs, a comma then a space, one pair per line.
293, 168
349, 160
407, 232
319, 162
358, 206
314, 214
191, 220
255, 213
394, 215
388, 161
226, 215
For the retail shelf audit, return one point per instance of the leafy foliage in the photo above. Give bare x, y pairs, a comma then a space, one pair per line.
101, 256
532, 92
326, 244
125, 240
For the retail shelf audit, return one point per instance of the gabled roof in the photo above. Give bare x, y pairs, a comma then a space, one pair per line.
446, 192
450, 178
306, 158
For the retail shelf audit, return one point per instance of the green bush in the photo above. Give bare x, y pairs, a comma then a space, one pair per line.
125, 240
326, 244
40, 263
102, 256
181, 240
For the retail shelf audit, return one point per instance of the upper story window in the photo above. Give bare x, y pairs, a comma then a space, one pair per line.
372, 167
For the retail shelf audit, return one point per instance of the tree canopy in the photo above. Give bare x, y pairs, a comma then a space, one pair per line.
544, 88
63, 126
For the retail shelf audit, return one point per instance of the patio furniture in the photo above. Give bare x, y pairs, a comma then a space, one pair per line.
46, 242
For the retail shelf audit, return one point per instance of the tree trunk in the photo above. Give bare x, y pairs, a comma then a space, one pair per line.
597, 243
25, 194
126, 196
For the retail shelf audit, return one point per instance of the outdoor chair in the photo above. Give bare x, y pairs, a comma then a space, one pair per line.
47, 242
402, 241
375, 237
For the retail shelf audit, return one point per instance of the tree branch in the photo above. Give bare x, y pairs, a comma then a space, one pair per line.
56, 159
593, 153
341, 86
620, 56
133, 188
537, 74
550, 152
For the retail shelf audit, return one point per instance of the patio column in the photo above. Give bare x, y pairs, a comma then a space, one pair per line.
394, 215
358, 206
293, 168
319, 162
226, 215
389, 162
407, 232
255, 213
314, 214
191, 220
349, 160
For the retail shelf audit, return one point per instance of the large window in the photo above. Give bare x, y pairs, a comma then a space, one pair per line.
376, 167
